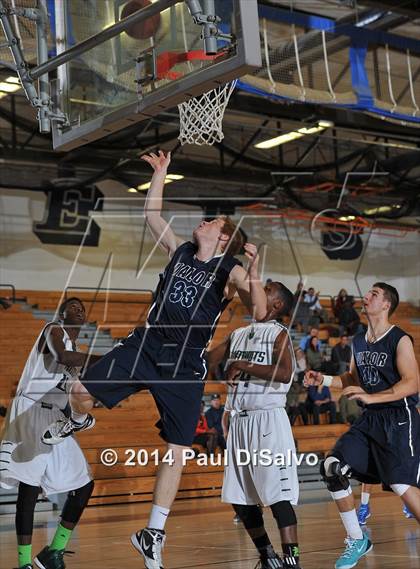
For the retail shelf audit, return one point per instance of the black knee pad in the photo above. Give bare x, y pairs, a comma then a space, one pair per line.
76, 502
284, 514
250, 516
335, 480
25, 507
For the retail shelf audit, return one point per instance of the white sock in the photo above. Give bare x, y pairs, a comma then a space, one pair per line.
158, 517
78, 417
351, 524
365, 498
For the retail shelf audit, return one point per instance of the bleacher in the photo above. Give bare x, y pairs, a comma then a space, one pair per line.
131, 425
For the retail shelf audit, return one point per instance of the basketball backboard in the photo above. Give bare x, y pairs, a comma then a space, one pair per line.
134, 75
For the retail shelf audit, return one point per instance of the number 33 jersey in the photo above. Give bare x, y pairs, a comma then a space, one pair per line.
190, 297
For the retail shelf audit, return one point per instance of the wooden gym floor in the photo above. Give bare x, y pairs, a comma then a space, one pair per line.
202, 535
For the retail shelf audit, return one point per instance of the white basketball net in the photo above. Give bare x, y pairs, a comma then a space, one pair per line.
201, 118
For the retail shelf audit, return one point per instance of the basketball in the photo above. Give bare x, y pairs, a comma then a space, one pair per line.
141, 30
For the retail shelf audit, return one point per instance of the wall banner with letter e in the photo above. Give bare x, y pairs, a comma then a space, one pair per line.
67, 219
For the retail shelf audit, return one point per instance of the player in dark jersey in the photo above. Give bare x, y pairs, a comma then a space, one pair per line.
383, 445
167, 355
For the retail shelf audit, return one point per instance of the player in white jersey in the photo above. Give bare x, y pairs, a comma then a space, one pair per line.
28, 463
261, 470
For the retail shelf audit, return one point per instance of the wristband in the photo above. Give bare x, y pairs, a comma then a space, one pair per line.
327, 381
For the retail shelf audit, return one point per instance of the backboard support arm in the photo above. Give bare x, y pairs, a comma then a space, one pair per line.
205, 15
42, 100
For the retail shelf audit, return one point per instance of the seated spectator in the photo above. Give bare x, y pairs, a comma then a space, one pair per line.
350, 410
314, 357
300, 364
348, 318
319, 401
214, 418
317, 313
295, 407
304, 343
341, 355
205, 436
339, 301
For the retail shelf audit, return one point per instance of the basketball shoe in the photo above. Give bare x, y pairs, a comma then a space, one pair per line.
50, 559
269, 560
363, 513
149, 543
407, 513
355, 550
290, 562
63, 428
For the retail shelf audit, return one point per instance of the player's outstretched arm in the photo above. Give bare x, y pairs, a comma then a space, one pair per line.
349, 378
161, 230
409, 383
248, 284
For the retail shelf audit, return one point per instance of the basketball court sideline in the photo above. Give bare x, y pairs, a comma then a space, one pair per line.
203, 536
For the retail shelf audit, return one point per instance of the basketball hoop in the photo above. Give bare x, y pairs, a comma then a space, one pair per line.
201, 118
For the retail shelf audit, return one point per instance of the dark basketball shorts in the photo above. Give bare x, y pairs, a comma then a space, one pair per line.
383, 446
174, 376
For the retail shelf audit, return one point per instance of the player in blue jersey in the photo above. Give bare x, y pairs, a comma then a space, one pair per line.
167, 355
383, 445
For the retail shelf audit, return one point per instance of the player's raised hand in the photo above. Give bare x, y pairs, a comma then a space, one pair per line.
313, 378
159, 162
251, 252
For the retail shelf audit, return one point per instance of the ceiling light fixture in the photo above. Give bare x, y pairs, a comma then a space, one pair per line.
175, 176
13, 79
294, 135
9, 85
381, 209
168, 180
347, 218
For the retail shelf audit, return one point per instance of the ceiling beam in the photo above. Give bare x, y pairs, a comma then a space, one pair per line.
309, 112
31, 168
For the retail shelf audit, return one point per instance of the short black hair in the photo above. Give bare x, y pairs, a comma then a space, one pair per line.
286, 296
390, 294
66, 302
